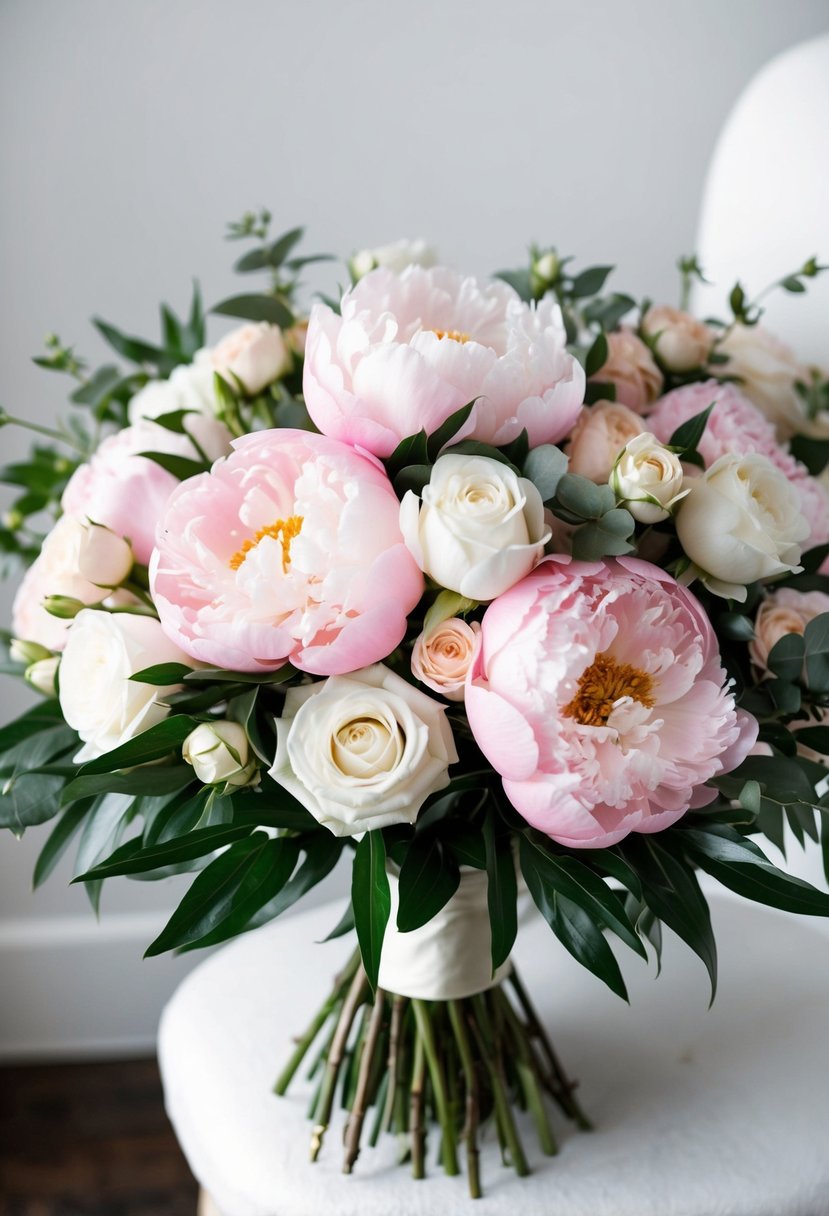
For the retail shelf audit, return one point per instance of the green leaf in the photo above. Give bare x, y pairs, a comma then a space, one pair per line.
100, 387
219, 675
104, 829
583, 498
742, 867
59, 839
43, 716
411, 450
671, 891
153, 744
181, 467
604, 537
590, 282
611, 862
816, 643
344, 925
735, 627
545, 466
134, 858
322, 852
228, 892
134, 349
686, 437
256, 308
596, 356
501, 892
792, 283
815, 737
152, 780
27, 796
428, 880
371, 900
162, 675
447, 430
785, 658
518, 280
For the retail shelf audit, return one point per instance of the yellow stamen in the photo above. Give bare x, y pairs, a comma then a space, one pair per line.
283, 530
603, 683
454, 335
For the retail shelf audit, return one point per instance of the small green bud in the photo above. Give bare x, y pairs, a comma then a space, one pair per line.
63, 606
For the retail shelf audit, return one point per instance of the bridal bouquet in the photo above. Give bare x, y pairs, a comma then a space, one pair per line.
482, 585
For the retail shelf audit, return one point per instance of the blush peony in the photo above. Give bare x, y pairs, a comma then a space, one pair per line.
288, 550
410, 349
599, 696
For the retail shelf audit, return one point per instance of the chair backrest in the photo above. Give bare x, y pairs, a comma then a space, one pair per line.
766, 202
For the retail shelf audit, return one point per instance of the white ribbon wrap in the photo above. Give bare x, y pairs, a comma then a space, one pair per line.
450, 956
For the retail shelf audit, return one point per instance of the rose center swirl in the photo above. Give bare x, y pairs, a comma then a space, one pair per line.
604, 683
283, 530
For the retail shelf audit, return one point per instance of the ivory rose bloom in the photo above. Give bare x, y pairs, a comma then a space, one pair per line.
256, 354
127, 492
735, 426
478, 528
784, 611
362, 751
288, 550
631, 369
412, 348
769, 370
396, 256
71, 553
741, 522
189, 387
220, 754
599, 696
647, 479
680, 342
599, 436
97, 696
442, 658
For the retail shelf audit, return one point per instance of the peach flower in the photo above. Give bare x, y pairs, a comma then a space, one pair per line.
631, 369
784, 611
599, 436
680, 342
442, 658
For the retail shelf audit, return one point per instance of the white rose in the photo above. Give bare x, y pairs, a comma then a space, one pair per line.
680, 341
362, 751
41, 675
647, 479
396, 257
768, 371
190, 387
257, 354
104, 557
220, 754
741, 522
479, 528
97, 697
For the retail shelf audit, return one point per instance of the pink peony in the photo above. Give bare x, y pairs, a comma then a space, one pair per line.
412, 348
125, 491
737, 427
599, 696
289, 549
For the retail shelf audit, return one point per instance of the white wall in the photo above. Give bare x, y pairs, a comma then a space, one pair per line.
131, 132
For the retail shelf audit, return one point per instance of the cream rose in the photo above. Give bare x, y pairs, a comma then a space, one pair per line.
741, 522
256, 354
362, 751
220, 754
785, 611
189, 387
479, 527
597, 438
396, 256
97, 696
647, 479
441, 658
679, 341
631, 369
768, 370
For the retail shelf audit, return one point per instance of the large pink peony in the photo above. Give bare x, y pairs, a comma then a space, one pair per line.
599, 697
125, 491
288, 550
409, 349
737, 427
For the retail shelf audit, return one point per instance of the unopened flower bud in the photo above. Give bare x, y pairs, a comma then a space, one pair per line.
63, 606
219, 753
41, 675
22, 651
104, 557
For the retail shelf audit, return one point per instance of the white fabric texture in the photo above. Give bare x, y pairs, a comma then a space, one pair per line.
449, 956
698, 1112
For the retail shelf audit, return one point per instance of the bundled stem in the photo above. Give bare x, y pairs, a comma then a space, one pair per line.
458, 1063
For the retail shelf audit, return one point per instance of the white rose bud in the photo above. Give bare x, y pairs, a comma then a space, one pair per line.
479, 528
97, 696
104, 558
680, 342
396, 256
190, 387
256, 354
41, 675
741, 522
647, 479
220, 754
362, 751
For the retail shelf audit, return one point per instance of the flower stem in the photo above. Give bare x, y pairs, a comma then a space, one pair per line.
473, 1098
528, 1074
354, 1126
326, 1009
351, 1003
416, 1110
482, 1028
562, 1089
436, 1075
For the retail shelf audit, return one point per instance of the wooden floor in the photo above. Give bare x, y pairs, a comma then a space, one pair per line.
89, 1140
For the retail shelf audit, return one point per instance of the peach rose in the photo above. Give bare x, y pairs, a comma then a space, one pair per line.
256, 354
785, 611
680, 341
630, 367
599, 436
769, 370
441, 658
